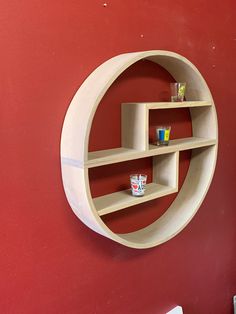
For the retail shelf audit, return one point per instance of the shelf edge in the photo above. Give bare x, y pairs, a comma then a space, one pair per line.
171, 105
135, 200
132, 155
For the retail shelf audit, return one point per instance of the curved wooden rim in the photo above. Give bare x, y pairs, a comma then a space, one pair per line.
74, 146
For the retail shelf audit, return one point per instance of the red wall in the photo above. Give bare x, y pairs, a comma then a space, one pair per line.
50, 262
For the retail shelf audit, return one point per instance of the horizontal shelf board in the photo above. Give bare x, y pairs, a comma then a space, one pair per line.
171, 105
181, 144
103, 157
106, 157
119, 200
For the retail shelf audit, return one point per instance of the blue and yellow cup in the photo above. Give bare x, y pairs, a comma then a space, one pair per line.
163, 135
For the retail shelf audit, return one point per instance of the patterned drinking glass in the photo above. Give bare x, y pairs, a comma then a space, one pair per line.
138, 183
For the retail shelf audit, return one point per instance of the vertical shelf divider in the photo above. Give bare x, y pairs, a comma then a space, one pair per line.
166, 169
134, 126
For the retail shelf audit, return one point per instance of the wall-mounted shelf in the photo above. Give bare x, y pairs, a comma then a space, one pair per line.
171, 105
123, 199
110, 156
76, 160
165, 182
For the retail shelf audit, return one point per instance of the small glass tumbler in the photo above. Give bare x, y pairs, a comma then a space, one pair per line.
177, 91
138, 183
163, 135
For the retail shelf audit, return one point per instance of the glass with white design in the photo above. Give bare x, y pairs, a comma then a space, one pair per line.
138, 183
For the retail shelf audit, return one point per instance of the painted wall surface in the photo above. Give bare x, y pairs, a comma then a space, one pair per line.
50, 262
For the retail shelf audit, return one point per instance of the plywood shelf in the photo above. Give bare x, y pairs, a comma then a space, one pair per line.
75, 158
109, 156
181, 144
106, 157
119, 200
171, 105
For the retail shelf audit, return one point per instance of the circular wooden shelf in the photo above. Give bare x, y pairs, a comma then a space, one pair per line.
75, 158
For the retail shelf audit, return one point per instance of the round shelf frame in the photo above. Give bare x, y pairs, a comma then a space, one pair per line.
74, 148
